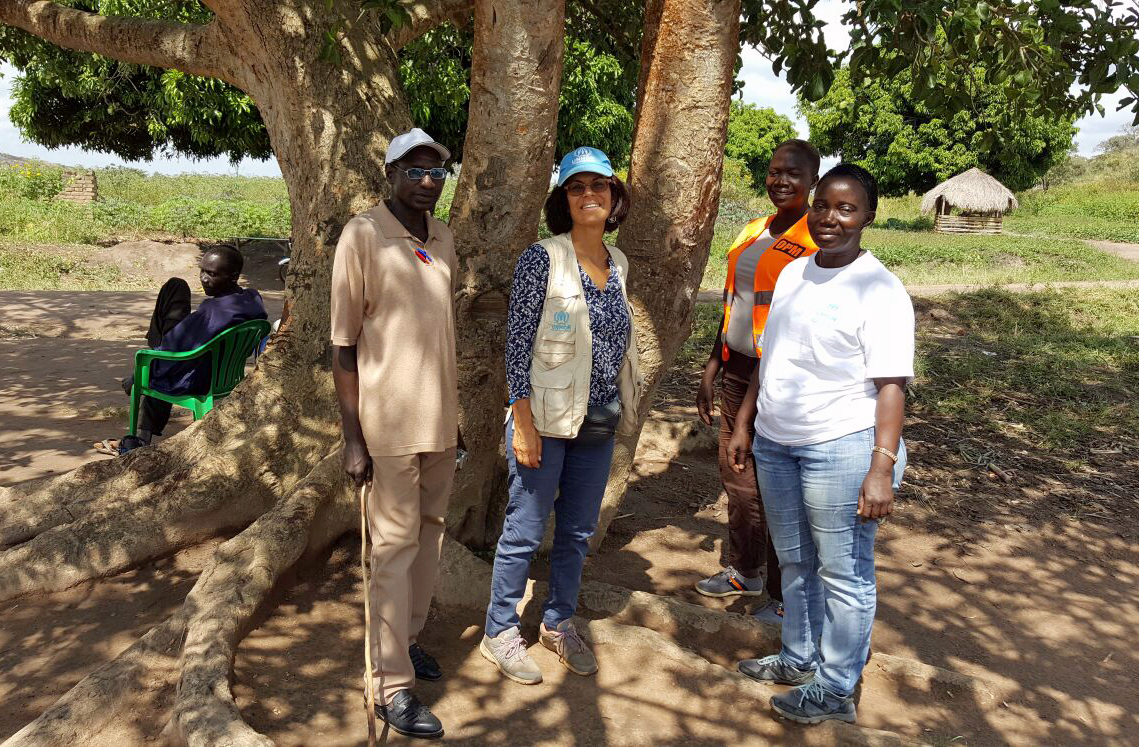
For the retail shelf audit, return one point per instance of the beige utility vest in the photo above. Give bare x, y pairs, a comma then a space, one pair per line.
563, 349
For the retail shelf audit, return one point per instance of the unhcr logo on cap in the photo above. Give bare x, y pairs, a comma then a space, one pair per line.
561, 322
583, 159
582, 154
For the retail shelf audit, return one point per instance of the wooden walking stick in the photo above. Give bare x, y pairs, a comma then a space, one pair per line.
369, 687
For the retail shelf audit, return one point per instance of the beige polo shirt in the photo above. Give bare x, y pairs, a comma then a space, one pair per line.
397, 309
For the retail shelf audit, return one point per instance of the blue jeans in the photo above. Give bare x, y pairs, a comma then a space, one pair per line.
826, 552
570, 482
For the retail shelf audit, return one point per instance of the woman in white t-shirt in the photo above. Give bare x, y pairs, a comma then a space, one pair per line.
838, 350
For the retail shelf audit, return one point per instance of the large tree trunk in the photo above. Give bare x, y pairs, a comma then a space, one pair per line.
688, 57
268, 454
516, 71
264, 463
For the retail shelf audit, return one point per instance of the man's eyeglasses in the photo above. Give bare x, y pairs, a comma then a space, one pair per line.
597, 186
417, 174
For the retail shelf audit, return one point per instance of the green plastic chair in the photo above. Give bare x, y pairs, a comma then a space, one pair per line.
229, 351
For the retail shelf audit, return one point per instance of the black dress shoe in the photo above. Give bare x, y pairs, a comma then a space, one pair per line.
407, 716
426, 668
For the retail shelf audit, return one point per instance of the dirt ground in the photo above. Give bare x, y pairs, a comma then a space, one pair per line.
63, 353
1029, 585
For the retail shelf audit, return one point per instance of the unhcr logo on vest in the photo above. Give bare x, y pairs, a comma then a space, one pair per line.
561, 322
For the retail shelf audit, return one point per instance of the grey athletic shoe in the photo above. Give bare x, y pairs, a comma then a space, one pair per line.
729, 583
570, 647
813, 704
776, 670
772, 613
507, 651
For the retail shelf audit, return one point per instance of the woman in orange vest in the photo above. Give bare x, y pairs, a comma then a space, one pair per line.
758, 255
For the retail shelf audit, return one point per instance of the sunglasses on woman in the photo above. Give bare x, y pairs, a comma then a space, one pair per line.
597, 186
417, 174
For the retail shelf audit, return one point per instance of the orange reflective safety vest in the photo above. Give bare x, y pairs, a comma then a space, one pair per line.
794, 243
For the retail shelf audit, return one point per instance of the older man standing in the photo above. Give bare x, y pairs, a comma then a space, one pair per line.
393, 337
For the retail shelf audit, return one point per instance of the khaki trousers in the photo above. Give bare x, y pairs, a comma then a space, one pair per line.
407, 503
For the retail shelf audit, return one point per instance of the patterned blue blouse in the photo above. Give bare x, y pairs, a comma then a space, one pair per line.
608, 321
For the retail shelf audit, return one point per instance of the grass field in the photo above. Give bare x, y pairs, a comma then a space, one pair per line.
1063, 364
1106, 210
135, 205
927, 258
27, 268
1059, 366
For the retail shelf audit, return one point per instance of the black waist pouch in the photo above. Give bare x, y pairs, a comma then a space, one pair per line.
600, 424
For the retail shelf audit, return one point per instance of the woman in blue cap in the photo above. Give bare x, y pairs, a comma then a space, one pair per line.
571, 368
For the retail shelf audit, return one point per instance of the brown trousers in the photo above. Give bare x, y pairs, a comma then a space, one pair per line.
407, 504
750, 549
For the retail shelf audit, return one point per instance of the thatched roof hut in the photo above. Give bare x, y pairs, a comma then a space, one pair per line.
979, 198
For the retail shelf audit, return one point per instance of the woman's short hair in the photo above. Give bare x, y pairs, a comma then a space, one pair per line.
858, 174
805, 149
558, 218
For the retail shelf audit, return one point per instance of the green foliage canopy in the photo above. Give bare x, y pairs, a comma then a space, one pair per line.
887, 128
1059, 56
73, 98
753, 133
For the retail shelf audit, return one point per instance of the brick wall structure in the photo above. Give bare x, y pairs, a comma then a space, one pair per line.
79, 186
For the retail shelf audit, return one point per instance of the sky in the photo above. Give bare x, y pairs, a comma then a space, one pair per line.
761, 87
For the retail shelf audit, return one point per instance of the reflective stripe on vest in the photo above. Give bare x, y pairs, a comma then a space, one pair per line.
795, 242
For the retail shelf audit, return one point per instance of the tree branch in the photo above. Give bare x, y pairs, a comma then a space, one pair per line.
623, 43
426, 15
191, 48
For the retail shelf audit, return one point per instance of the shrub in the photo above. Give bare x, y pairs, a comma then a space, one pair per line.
49, 222
30, 180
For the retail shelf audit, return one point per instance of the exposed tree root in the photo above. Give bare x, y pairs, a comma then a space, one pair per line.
178, 512
231, 589
218, 475
283, 421
195, 648
37, 505
99, 710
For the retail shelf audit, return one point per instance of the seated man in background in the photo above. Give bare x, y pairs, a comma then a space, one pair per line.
174, 328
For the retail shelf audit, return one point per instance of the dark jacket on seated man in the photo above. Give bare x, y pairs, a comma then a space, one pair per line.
214, 315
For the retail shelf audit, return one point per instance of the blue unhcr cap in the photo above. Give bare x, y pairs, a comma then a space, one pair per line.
583, 159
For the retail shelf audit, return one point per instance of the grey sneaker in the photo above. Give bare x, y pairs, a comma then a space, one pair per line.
507, 651
772, 613
813, 704
776, 670
568, 644
729, 583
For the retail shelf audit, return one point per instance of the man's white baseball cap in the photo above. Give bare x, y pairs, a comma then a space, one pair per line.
403, 144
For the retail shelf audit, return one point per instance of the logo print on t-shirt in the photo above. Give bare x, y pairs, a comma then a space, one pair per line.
561, 322
829, 314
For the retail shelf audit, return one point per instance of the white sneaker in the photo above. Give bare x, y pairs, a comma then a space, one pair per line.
507, 651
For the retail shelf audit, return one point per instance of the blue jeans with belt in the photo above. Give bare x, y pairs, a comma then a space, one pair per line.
570, 482
826, 551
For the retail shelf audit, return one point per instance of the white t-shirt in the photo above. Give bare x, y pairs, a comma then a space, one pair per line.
829, 334
739, 335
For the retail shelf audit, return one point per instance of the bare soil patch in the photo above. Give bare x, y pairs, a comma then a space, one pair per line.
1026, 581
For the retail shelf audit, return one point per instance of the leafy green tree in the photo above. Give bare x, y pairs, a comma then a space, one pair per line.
1127, 139
753, 133
1060, 56
66, 98
886, 127
61, 97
